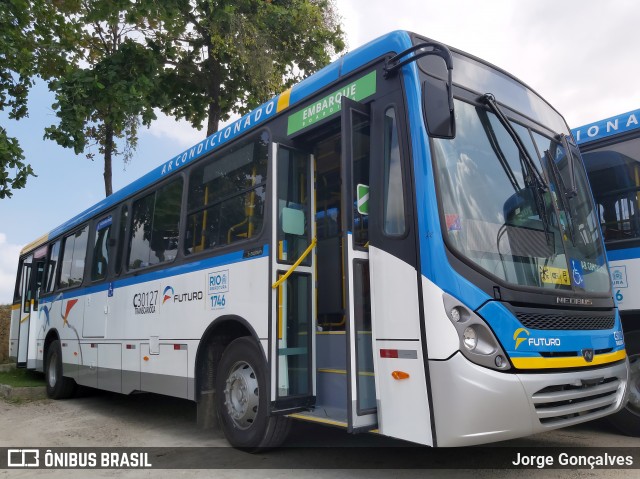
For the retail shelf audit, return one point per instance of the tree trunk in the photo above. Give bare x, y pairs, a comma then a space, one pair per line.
214, 117
213, 90
108, 150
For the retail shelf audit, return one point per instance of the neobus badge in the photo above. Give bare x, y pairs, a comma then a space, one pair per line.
574, 301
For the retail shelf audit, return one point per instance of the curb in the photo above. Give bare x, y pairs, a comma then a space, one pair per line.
10, 392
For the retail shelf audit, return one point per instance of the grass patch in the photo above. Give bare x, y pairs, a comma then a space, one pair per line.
19, 378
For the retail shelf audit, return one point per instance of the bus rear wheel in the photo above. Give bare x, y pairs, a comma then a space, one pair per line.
58, 386
627, 421
242, 399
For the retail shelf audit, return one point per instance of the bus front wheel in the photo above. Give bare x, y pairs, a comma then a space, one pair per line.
58, 386
627, 421
243, 399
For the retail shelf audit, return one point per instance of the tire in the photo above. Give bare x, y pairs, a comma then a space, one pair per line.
242, 399
58, 386
627, 421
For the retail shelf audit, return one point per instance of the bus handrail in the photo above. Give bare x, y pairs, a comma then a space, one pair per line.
296, 264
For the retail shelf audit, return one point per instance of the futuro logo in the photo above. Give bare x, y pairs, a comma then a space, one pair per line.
168, 294
517, 338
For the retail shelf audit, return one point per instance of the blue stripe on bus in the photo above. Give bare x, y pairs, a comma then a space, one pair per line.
622, 254
206, 263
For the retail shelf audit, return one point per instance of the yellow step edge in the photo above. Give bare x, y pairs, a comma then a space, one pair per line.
321, 420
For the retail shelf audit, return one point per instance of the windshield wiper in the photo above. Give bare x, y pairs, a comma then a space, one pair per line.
533, 178
564, 198
490, 101
495, 146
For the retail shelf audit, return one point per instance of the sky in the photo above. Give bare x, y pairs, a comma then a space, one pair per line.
580, 55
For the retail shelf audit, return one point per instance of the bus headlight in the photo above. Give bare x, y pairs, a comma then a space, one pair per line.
477, 341
455, 315
470, 338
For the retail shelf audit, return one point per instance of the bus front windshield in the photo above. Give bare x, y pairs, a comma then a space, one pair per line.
523, 215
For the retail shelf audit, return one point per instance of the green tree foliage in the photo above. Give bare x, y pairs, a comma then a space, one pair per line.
17, 66
105, 90
228, 56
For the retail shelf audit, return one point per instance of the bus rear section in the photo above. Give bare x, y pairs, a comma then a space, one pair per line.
611, 152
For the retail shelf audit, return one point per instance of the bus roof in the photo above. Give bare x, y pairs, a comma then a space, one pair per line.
392, 42
615, 125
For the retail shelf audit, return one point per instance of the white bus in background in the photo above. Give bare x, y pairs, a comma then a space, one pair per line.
386, 246
611, 152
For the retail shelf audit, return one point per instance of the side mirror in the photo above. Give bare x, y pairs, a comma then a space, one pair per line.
437, 103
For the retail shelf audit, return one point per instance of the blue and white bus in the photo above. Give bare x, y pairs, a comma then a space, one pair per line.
391, 245
611, 152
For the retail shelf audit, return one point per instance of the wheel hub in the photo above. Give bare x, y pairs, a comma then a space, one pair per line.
241, 395
52, 376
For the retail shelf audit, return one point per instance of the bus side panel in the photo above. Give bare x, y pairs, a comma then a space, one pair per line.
396, 326
160, 322
166, 371
13, 332
88, 370
32, 348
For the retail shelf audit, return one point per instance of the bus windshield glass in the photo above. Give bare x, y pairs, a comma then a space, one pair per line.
524, 215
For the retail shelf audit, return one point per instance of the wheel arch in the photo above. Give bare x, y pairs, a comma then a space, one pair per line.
52, 335
216, 338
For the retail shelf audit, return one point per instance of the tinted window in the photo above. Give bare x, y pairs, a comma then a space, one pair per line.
124, 218
17, 294
100, 262
155, 226
226, 197
614, 172
73, 257
52, 266
394, 222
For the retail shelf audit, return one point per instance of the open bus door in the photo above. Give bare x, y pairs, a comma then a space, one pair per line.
355, 160
293, 304
32, 276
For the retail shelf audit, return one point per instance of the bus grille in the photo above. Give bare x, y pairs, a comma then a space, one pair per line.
564, 403
566, 320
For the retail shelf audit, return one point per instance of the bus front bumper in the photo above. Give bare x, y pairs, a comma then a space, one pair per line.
476, 405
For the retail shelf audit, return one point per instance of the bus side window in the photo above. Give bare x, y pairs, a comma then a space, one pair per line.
17, 294
393, 209
52, 267
227, 196
615, 182
122, 230
73, 258
155, 227
100, 261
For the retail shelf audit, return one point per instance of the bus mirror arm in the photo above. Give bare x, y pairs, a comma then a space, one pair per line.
394, 64
437, 92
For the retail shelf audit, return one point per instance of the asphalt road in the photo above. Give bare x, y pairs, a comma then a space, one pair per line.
100, 419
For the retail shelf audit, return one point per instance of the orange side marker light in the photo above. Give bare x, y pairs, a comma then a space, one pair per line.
399, 375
